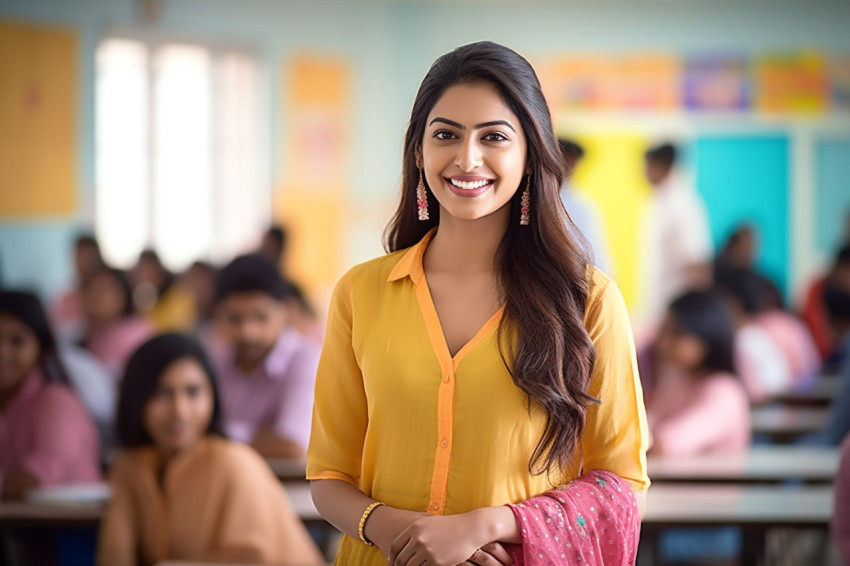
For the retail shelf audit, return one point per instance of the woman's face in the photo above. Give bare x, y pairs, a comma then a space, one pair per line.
19, 352
473, 152
179, 412
103, 298
678, 348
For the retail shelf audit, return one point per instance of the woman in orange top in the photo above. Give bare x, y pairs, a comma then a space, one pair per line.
482, 362
180, 490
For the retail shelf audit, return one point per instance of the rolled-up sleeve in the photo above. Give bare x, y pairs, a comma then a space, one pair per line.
616, 435
340, 415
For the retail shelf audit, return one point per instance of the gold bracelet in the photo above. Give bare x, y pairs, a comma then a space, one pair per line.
361, 528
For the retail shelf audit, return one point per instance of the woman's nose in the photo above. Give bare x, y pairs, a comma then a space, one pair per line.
469, 156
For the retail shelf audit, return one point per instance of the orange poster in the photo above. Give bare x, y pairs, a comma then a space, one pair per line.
312, 200
793, 82
38, 129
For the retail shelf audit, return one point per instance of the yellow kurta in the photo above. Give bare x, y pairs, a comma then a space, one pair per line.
409, 425
218, 501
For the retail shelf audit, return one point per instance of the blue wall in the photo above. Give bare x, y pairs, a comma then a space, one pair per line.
745, 179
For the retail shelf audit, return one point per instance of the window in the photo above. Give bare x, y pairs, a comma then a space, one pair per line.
181, 153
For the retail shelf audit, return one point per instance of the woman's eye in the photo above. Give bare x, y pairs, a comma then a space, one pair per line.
444, 135
495, 136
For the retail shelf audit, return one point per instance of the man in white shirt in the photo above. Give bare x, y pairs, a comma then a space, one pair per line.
676, 242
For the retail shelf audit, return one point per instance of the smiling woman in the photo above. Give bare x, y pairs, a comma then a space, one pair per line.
483, 361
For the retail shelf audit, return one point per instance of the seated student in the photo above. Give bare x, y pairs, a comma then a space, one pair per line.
161, 297
814, 310
841, 506
759, 360
180, 489
837, 424
46, 436
266, 368
112, 328
698, 404
66, 311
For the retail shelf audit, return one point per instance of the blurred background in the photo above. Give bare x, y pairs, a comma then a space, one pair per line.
188, 126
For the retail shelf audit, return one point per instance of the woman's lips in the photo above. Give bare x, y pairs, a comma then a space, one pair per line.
468, 186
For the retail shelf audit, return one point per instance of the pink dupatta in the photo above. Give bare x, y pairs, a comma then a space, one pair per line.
592, 521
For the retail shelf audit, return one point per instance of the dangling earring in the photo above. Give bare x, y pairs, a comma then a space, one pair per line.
422, 198
525, 203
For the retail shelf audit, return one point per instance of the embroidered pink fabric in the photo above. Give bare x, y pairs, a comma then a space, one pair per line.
593, 521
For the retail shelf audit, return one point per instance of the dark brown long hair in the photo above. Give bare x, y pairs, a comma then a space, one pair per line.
542, 269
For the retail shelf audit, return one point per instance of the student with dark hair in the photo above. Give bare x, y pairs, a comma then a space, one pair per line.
676, 243
815, 313
267, 369
698, 406
583, 211
46, 435
274, 243
66, 310
482, 361
160, 296
112, 330
696, 381
180, 489
758, 359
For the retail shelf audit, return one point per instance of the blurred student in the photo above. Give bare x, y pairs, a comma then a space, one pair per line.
841, 505
199, 282
266, 368
814, 310
837, 301
698, 404
46, 435
112, 330
274, 245
582, 209
66, 311
676, 243
180, 489
760, 361
304, 317
160, 297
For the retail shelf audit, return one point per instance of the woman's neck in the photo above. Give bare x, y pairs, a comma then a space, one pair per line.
466, 246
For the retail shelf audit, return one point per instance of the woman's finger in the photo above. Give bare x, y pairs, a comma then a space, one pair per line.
499, 552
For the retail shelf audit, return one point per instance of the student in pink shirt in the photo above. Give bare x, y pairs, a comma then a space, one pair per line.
46, 435
113, 329
698, 404
266, 368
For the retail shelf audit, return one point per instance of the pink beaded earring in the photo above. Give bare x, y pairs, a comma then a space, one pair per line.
422, 198
525, 203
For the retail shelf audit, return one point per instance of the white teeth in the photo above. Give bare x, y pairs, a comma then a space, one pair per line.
469, 186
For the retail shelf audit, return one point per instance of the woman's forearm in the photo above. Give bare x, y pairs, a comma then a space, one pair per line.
342, 505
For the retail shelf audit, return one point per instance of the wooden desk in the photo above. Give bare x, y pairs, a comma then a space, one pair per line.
782, 424
288, 469
24, 514
824, 390
755, 509
761, 464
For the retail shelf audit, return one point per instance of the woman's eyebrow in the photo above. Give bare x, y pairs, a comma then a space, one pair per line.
476, 127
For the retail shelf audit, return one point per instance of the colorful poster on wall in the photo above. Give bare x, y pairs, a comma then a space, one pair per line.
641, 82
839, 75
587, 83
649, 82
716, 83
38, 128
314, 194
791, 83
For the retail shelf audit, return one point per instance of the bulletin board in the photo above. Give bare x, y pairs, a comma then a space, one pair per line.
38, 128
